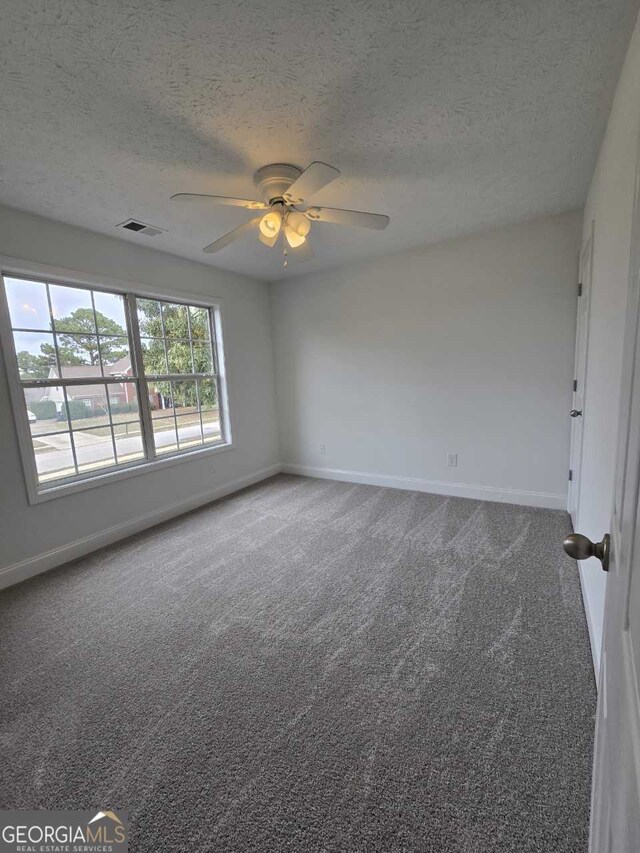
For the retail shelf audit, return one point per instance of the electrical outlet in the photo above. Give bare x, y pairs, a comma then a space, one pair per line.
323, 449
452, 460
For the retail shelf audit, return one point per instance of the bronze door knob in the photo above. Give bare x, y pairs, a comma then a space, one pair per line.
580, 548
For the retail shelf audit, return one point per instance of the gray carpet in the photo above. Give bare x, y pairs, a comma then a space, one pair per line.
310, 666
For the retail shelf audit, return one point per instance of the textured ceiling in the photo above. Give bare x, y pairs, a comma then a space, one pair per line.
451, 116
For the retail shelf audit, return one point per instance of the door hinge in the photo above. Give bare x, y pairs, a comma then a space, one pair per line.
575, 384
570, 475
580, 288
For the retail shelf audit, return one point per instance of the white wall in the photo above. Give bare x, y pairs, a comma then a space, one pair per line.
28, 532
609, 206
463, 347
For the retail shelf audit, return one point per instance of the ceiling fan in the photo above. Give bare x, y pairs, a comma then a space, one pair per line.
284, 213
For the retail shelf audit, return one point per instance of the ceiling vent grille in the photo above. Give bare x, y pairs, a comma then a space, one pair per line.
140, 227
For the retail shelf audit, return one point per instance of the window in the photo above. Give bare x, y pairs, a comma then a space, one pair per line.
108, 381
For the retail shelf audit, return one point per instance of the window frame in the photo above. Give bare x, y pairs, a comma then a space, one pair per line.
17, 268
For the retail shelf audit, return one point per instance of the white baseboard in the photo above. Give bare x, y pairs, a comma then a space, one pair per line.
547, 500
57, 556
594, 625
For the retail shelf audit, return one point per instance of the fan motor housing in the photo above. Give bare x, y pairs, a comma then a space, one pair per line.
274, 180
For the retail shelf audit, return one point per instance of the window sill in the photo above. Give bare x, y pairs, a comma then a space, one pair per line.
48, 493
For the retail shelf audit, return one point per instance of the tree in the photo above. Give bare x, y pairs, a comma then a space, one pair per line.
178, 328
78, 343
35, 366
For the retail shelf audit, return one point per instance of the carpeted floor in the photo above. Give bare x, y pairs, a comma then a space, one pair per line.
310, 666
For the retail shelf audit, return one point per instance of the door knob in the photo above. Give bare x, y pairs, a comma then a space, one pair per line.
575, 413
580, 548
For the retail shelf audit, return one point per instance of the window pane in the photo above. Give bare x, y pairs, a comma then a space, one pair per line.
202, 359
185, 396
154, 358
199, 323
179, 357
160, 399
164, 434
53, 455
129, 444
115, 355
42, 428
110, 313
129, 448
28, 305
123, 399
72, 309
94, 448
149, 318
36, 354
211, 425
87, 406
187, 411
175, 320
189, 430
123, 430
44, 410
79, 352
208, 391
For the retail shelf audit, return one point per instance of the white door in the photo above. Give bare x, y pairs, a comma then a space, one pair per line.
615, 804
579, 382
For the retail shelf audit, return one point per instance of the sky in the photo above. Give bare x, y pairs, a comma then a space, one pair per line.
31, 320
29, 309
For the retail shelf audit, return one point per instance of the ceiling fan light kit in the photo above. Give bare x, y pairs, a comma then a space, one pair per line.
271, 223
285, 190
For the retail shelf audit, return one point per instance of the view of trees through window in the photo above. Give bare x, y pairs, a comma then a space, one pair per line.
91, 403
78, 344
178, 362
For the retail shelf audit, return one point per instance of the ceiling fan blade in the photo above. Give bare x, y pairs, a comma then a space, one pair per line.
201, 198
301, 253
236, 234
314, 177
347, 217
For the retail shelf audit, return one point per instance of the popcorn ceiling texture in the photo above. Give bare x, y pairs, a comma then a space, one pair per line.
452, 117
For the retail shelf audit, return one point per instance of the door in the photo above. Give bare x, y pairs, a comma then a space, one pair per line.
615, 803
579, 382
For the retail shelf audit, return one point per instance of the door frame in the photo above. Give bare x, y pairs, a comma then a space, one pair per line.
580, 368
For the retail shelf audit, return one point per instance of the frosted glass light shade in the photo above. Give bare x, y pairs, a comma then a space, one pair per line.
293, 239
298, 223
271, 223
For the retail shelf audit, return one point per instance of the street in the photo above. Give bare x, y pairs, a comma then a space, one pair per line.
93, 451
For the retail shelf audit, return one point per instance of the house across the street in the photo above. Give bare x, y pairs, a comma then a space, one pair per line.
93, 395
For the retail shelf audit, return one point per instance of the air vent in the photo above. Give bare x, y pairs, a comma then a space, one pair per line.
140, 228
